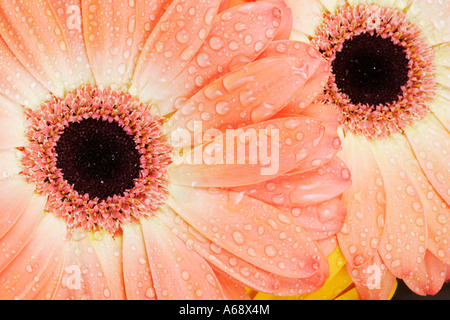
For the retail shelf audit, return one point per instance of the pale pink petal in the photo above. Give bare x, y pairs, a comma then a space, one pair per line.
365, 201
33, 33
239, 269
430, 142
263, 151
70, 18
9, 163
136, 269
248, 228
16, 83
236, 38
301, 189
83, 276
319, 72
433, 17
439, 108
12, 124
246, 96
307, 16
320, 220
373, 281
429, 278
37, 261
178, 272
15, 195
171, 45
16, 237
404, 240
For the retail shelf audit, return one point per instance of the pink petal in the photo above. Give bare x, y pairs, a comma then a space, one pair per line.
302, 189
326, 113
373, 281
15, 195
365, 201
430, 142
44, 51
171, 45
282, 146
136, 268
16, 236
12, 125
320, 220
243, 97
403, 243
9, 164
178, 273
248, 228
69, 16
327, 245
16, 83
429, 278
239, 269
231, 289
236, 38
36, 262
319, 72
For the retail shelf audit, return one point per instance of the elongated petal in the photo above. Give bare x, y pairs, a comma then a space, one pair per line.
171, 45
16, 82
35, 264
430, 277
237, 37
319, 71
9, 163
232, 290
326, 113
34, 34
12, 125
263, 151
246, 96
321, 220
69, 16
404, 241
431, 144
136, 269
365, 201
302, 189
16, 237
239, 269
178, 272
248, 225
373, 280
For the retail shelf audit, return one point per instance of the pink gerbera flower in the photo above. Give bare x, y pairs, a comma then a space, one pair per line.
390, 84
145, 152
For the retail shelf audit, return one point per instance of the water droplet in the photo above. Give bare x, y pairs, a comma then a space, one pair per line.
238, 237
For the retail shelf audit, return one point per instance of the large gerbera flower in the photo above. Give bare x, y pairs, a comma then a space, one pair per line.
390, 84
114, 178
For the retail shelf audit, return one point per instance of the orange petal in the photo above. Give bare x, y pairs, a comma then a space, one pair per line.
246, 96
319, 74
404, 241
35, 264
429, 278
231, 289
302, 189
69, 16
264, 150
373, 281
233, 266
171, 45
320, 220
33, 33
178, 273
326, 113
236, 38
430, 142
248, 228
364, 200
136, 269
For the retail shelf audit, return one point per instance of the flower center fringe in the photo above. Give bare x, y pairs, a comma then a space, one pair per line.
100, 158
382, 69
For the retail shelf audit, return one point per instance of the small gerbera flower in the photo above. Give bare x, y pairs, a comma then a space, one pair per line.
142, 151
390, 84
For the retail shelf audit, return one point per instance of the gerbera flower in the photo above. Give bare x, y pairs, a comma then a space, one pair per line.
105, 108
389, 82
